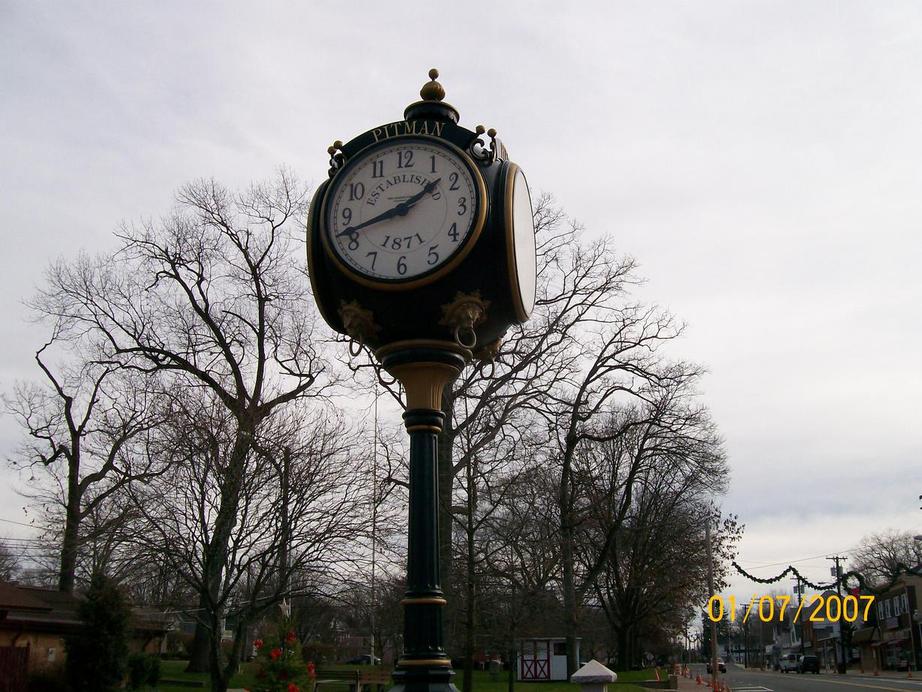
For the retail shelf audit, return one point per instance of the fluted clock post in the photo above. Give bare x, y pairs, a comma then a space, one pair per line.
424, 369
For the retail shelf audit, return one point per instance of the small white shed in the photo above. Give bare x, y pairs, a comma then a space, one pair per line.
542, 658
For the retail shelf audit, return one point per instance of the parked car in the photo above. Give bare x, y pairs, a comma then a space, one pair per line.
721, 666
364, 660
788, 663
808, 664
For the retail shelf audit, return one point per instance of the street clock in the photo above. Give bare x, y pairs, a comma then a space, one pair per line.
421, 246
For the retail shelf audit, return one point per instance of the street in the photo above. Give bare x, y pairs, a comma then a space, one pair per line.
741, 680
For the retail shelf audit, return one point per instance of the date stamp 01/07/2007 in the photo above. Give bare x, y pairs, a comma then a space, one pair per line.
815, 608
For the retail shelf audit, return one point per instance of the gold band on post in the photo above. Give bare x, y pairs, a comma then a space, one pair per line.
424, 428
402, 663
425, 600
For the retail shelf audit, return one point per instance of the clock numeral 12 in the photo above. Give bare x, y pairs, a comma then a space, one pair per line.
405, 159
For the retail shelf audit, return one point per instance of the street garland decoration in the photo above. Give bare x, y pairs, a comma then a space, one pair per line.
843, 580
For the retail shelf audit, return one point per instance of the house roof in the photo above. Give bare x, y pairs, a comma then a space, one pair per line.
28, 607
18, 598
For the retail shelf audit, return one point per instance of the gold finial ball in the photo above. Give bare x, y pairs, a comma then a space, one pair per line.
331, 150
480, 129
338, 144
432, 91
491, 132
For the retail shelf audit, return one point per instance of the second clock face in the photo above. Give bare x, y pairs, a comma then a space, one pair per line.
403, 211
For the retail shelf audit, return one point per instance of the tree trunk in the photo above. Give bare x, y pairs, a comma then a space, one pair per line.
69, 547
200, 649
215, 663
70, 541
567, 558
623, 649
215, 557
470, 606
570, 605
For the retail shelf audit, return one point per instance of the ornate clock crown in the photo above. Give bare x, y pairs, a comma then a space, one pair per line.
432, 105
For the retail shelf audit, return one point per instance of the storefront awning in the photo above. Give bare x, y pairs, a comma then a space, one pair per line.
863, 635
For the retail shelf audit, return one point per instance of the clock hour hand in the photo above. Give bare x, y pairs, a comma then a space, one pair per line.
398, 210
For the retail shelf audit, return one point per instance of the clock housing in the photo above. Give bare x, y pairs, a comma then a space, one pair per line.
468, 295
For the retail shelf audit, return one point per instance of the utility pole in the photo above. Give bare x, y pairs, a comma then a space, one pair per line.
715, 671
284, 557
841, 663
799, 588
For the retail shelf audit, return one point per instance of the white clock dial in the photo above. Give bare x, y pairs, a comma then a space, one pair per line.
404, 211
521, 224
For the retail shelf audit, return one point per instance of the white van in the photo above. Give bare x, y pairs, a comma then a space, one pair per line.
788, 663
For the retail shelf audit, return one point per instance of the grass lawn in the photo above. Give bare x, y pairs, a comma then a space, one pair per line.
173, 670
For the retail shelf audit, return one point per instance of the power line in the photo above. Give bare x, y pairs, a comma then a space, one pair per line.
803, 559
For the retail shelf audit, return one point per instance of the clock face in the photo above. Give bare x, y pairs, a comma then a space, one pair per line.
406, 210
521, 223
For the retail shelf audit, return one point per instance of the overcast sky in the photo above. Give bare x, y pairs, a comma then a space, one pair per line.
761, 160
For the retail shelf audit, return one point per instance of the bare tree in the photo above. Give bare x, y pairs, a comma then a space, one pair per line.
212, 296
881, 557
520, 544
299, 501
9, 565
616, 362
82, 425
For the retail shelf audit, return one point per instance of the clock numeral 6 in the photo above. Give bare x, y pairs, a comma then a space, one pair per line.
433, 256
402, 265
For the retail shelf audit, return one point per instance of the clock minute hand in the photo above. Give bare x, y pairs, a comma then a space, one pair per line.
429, 187
397, 210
